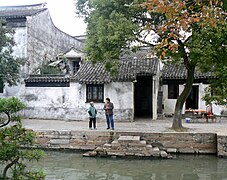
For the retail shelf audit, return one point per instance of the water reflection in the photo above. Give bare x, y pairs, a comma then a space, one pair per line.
72, 166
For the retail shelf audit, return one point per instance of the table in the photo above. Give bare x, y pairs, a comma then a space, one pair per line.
196, 112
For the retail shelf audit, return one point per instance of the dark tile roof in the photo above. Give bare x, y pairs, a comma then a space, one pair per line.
92, 74
21, 11
171, 71
130, 66
47, 78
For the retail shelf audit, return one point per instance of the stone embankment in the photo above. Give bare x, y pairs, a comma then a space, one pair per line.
129, 146
155, 137
138, 144
221, 145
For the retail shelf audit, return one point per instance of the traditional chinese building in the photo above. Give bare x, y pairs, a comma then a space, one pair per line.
142, 89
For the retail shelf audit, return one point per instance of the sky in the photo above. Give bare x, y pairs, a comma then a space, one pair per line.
62, 13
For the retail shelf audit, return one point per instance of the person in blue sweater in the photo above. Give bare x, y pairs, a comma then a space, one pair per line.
108, 107
92, 115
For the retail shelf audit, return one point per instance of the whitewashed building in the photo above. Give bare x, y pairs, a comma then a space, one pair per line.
133, 91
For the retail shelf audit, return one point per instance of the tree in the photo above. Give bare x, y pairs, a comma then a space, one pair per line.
51, 70
185, 38
216, 58
111, 26
114, 26
12, 139
183, 35
9, 65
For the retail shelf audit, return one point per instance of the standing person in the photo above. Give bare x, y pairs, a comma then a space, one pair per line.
92, 113
108, 107
209, 112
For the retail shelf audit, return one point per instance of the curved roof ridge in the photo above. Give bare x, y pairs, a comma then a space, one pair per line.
25, 6
22, 11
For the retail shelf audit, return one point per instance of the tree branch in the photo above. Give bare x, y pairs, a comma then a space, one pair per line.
184, 54
145, 42
7, 122
8, 166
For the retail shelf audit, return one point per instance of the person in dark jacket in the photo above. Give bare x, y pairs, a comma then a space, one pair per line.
92, 115
108, 107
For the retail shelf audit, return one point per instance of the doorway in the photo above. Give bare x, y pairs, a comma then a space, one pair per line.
193, 98
143, 97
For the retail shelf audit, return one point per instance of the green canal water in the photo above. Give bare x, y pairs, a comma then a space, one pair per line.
73, 166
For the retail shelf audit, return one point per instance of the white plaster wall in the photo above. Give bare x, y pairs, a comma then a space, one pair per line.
169, 104
55, 102
20, 39
155, 89
122, 95
20, 48
201, 103
69, 103
154, 98
50, 102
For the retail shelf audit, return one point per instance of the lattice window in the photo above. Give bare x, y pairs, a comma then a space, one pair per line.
95, 92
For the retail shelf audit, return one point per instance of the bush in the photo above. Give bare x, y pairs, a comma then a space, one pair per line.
12, 139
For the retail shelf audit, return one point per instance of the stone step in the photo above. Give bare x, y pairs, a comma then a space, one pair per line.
129, 139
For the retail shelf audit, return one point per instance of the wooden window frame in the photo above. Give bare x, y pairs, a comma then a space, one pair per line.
95, 93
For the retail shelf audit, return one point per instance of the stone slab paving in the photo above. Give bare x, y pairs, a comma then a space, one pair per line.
129, 139
140, 125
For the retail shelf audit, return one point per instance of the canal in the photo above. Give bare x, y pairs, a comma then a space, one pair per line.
73, 166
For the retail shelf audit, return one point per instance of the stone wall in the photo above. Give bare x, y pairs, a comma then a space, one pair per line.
191, 143
222, 145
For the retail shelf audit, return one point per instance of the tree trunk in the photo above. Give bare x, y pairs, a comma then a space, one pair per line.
177, 118
9, 166
7, 122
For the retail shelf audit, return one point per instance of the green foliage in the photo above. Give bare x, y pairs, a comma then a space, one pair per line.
10, 105
12, 139
46, 69
215, 57
112, 27
216, 92
9, 65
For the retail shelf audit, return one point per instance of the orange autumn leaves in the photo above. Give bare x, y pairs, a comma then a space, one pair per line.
182, 17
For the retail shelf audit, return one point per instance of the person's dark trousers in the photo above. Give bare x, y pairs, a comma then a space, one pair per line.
92, 121
110, 121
